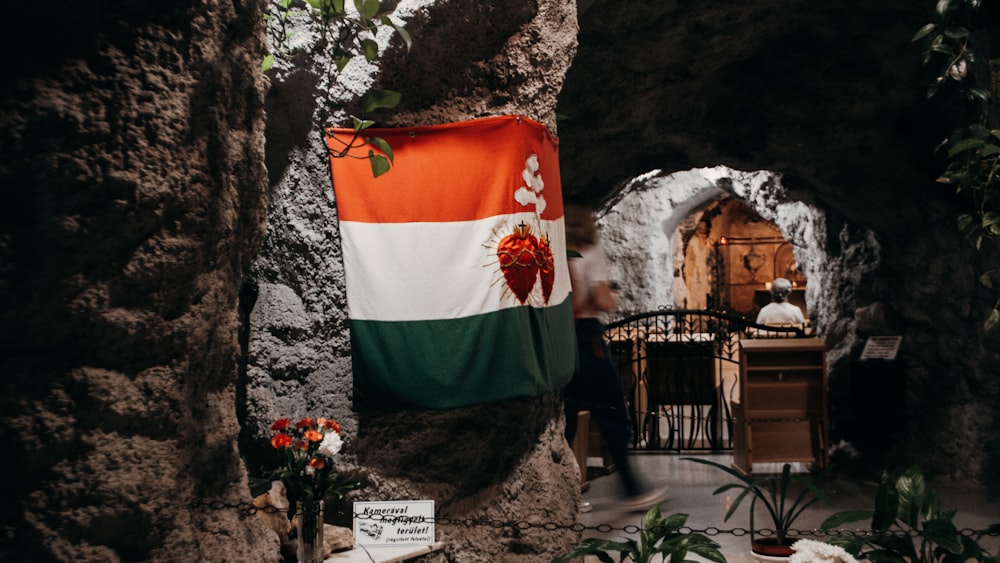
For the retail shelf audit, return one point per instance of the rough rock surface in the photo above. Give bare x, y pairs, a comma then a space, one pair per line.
134, 198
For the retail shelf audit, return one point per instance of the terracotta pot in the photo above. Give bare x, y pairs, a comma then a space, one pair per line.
768, 550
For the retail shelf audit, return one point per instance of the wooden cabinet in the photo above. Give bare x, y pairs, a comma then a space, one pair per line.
781, 413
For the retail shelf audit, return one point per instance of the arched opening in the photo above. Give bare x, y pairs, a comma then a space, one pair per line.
704, 244
714, 238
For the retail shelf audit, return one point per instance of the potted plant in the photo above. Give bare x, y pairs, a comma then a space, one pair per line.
659, 537
773, 492
907, 526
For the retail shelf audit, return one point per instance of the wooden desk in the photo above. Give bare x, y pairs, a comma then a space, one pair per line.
781, 415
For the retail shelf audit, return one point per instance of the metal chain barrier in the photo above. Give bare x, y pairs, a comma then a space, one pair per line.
248, 508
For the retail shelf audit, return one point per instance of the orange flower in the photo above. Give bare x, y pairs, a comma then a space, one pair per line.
309, 445
280, 441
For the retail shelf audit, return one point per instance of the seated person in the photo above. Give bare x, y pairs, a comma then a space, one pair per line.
779, 311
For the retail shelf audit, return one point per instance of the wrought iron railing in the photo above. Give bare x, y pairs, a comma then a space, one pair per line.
680, 371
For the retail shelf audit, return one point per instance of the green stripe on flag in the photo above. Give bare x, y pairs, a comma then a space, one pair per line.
441, 364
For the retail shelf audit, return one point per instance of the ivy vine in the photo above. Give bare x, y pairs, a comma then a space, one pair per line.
954, 48
344, 33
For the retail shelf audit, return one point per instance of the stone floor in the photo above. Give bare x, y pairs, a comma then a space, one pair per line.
691, 486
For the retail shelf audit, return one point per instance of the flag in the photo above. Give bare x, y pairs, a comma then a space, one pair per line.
455, 264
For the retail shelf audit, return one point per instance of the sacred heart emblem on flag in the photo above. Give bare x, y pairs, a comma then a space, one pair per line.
523, 260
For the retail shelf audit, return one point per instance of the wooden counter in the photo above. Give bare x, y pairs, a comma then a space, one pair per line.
781, 415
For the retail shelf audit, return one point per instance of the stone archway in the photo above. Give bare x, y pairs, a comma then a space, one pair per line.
639, 227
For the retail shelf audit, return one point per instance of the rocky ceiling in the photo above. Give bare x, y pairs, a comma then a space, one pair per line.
827, 94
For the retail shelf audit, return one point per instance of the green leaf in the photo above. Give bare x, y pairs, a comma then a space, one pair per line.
375, 99
956, 32
367, 8
965, 145
991, 222
361, 124
379, 163
268, 62
991, 319
707, 549
383, 146
599, 548
979, 95
912, 494
386, 20
942, 532
369, 48
845, 517
923, 31
886, 504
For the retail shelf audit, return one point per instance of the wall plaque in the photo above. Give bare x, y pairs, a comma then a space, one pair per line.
881, 348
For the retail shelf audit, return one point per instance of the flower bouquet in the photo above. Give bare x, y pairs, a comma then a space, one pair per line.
308, 447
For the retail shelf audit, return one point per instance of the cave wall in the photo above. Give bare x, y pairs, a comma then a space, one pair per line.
134, 198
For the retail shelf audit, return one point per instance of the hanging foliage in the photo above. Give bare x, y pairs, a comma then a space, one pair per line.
953, 48
343, 33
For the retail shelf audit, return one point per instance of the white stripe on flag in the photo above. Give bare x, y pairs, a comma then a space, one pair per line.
431, 271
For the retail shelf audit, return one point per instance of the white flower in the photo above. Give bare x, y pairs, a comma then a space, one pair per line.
331, 444
812, 551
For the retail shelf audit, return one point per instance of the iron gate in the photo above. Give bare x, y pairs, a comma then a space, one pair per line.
680, 371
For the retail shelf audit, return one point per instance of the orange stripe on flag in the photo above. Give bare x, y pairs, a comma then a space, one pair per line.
453, 172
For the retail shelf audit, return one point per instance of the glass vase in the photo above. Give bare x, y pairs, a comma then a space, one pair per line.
310, 531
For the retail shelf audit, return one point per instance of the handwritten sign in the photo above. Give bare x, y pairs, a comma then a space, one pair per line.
394, 522
881, 348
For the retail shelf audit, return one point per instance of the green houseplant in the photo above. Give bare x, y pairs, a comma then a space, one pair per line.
907, 526
659, 537
774, 493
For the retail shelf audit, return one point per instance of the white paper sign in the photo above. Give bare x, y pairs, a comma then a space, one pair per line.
881, 348
408, 522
